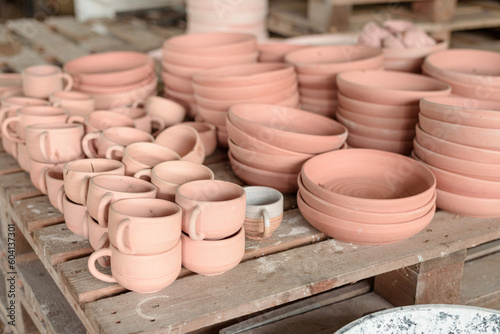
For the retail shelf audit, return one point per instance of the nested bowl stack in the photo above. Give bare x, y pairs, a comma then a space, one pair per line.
268, 144
459, 140
366, 196
317, 69
380, 108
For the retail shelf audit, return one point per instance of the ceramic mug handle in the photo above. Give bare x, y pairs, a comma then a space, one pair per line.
76, 119
159, 124
84, 188
42, 183
113, 149
144, 172
3, 113
69, 81
192, 224
102, 208
267, 223
42, 141
138, 103
125, 225
86, 221
6, 131
101, 244
92, 268
87, 144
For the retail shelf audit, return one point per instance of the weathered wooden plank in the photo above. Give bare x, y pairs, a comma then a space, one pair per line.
8, 164
2, 150
35, 213
483, 250
480, 281
197, 301
17, 186
139, 36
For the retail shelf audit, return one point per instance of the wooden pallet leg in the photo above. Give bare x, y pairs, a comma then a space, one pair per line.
429, 282
435, 10
327, 17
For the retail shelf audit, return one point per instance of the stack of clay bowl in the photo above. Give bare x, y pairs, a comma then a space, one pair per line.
380, 108
471, 73
218, 89
275, 51
268, 144
317, 69
246, 16
184, 55
366, 196
459, 139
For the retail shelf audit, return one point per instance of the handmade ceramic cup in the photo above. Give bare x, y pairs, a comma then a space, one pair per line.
139, 156
207, 133
213, 257
55, 186
212, 209
142, 119
121, 136
184, 140
10, 105
264, 211
98, 239
22, 156
144, 225
139, 273
76, 103
171, 112
107, 189
77, 174
54, 142
43, 80
37, 174
75, 217
169, 175
102, 120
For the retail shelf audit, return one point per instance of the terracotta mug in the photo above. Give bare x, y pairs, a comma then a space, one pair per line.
31, 115
43, 80
169, 175
75, 217
212, 209
213, 257
77, 174
10, 147
139, 273
55, 186
184, 140
144, 225
101, 120
54, 142
37, 174
169, 111
208, 135
264, 211
98, 239
142, 119
121, 136
139, 156
76, 103
107, 189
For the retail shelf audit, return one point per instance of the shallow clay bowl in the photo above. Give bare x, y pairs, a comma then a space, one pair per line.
92, 89
244, 75
290, 164
335, 58
207, 62
318, 81
369, 180
180, 70
318, 93
284, 182
177, 83
389, 87
461, 134
215, 44
378, 122
468, 206
376, 109
358, 216
376, 132
362, 233
454, 150
110, 68
109, 101
288, 128
462, 110
396, 146
482, 91
276, 52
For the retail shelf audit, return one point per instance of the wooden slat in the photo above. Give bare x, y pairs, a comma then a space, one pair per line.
480, 284
8, 164
139, 36
483, 250
35, 213
17, 186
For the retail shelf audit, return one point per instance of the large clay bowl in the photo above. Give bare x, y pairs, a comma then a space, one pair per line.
215, 117
461, 134
318, 93
376, 132
180, 70
276, 52
461, 110
454, 150
389, 87
288, 128
110, 68
290, 164
480, 170
184, 140
376, 109
468, 206
318, 81
397, 146
335, 58
359, 216
378, 122
207, 62
403, 65
116, 100
369, 180
363, 233
483, 91
215, 44
283, 182
177, 83
93, 89
244, 75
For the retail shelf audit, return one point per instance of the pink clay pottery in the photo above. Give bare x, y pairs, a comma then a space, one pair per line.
54, 142
377, 110
213, 257
376, 132
143, 121
55, 187
144, 225
141, 155
289, 128
169, 175
389, 87
77, 174
169, 111
41, 81
397, 146
264, 212
208, 135
178, 83
98, 237
369, 180
140, 273
76, 217
184, 140
212, 209
215, 117
318, 93
411, 59
378, 122
107, 189
468, 206
214, 44
276, 51
37, 174
204, 61
76, 103
102, 120
23, 158
484, 91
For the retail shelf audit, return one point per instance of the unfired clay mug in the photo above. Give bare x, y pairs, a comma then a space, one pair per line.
55, 186
171, 112
76, 103
98, 239
43, 80
77, 174
184, 140
212, 209
169, 175
144, 225
142, 119
139, 273
101, 120
75, 217
208, 135
23, 158
106, 189
264, 211
37, 174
